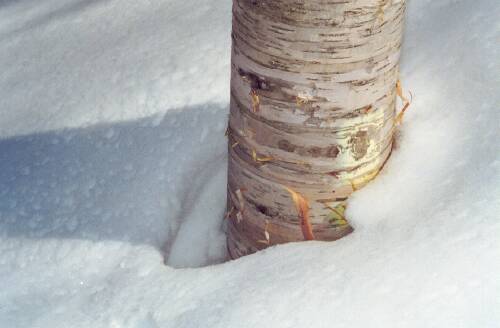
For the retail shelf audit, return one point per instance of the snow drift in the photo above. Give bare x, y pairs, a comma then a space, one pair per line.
112, 156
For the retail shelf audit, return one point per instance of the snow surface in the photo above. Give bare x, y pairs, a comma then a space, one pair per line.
112, 156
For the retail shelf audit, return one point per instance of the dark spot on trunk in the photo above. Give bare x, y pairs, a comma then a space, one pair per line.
359, 144
256, 82
332, 152
314, 151
266, 211
286, 146
334, 174
262, 209
361, 83
313, 121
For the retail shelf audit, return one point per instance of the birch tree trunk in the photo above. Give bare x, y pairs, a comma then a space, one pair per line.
313, 93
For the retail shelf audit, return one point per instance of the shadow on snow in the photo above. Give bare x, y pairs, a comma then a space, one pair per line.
134, 182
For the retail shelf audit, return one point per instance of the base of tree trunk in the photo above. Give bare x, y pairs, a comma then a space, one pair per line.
312, 115
239, 245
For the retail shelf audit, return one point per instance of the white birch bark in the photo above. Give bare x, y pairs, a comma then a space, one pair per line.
313, 90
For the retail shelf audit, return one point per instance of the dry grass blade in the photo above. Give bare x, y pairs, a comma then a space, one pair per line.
303, 208
338, 213
399, 117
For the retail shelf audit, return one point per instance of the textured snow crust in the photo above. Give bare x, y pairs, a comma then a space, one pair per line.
113, 161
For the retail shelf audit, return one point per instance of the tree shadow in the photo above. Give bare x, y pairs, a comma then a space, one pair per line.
131, 181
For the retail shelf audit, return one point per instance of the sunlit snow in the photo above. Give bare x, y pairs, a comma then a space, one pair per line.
112, 179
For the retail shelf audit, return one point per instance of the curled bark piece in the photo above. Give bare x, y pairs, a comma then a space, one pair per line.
241, 200
260, 159
406, 103
239, 216
267, 241
303, 209
229, 213
255, 101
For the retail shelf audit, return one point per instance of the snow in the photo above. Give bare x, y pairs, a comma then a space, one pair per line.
112, 157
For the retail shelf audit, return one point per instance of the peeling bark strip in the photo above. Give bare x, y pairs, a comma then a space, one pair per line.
303, 209
313, 93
